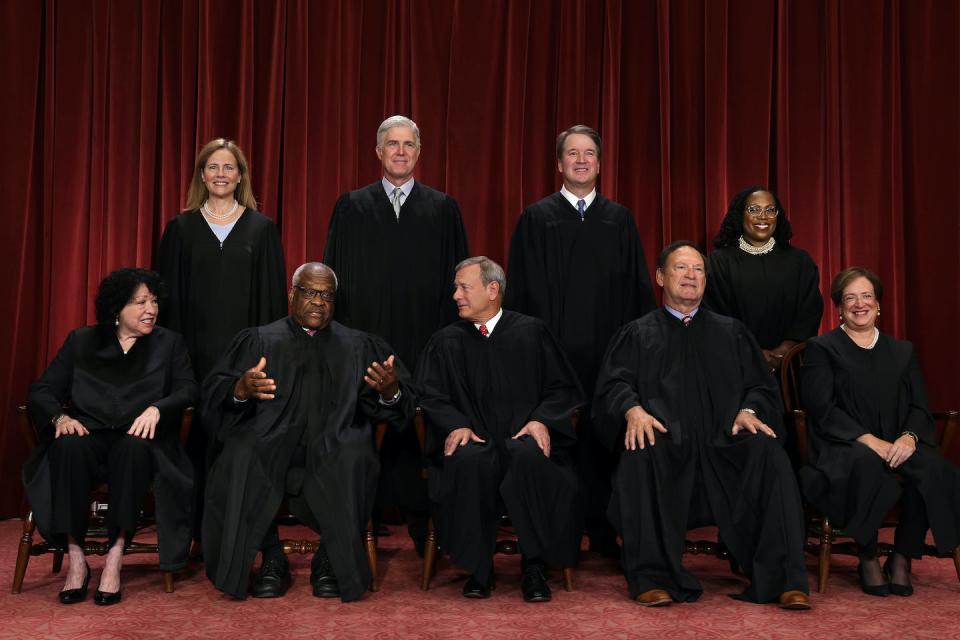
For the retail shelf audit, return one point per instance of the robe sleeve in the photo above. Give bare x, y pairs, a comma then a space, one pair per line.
51, 392
760, 390
560, 392
918, 417
434, 379
182, 383
396, 415
170, 265
642, 289
526, 282
717, 296
817, 391
809, 310
334, 232
616, 390
220, 412
270, 300
455, 250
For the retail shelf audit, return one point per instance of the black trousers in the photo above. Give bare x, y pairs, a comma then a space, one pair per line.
79, 463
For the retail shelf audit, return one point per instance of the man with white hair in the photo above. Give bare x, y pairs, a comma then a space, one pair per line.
394, 244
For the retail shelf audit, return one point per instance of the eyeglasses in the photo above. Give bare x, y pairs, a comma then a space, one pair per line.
755, 211
310, 294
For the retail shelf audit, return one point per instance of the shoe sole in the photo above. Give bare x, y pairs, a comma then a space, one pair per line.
796, 606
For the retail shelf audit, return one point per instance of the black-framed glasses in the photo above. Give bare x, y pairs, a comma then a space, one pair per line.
756, 211
310, 294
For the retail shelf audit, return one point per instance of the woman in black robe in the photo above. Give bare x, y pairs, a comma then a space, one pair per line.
756, 276
125, 384
223, 265
872, 443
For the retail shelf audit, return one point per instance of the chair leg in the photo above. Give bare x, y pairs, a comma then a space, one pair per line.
956, 561
168, 581
370, 542
567, 579
23, 553
429, 556
57, 561
826, 542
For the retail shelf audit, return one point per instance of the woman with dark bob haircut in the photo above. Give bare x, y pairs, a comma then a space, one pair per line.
108, 408
872, 439
758, 277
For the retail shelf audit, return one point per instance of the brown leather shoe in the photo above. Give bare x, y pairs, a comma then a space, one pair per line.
795, 600
654, 598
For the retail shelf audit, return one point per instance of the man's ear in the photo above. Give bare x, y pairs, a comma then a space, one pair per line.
493, 290
659, 277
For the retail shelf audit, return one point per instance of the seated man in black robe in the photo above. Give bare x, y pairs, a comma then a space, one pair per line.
688, 394
292, 404
499, 394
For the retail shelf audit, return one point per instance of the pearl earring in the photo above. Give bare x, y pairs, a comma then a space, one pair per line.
116, 321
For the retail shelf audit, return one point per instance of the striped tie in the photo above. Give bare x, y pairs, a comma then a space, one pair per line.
483, 330
687, 320
581, 207
395, 201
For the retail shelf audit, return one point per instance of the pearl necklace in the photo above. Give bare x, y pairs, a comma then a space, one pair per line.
219, 216
766, 247
873, 343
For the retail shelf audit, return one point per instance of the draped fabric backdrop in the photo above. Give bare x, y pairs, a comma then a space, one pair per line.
849, 110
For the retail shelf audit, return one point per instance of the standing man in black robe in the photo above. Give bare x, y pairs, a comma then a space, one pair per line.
498, 394
395, 226
688, 394
576, 263
293, 403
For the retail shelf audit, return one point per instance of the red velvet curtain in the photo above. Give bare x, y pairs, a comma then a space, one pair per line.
849, 110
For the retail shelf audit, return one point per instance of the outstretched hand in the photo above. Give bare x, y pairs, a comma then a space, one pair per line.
255, 384
746, 421
382, 378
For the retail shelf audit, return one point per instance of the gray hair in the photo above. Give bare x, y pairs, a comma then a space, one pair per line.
490, 271
397, 121
313, 266
582, 130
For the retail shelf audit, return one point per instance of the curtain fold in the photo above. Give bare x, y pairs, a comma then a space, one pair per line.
848, 110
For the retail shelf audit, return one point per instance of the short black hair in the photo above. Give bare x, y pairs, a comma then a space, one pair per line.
584, 130
848, 275
732, 226
116, 290
673, 246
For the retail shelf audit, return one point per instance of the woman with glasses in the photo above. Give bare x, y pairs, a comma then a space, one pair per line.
223, 264
872, 440
755, 275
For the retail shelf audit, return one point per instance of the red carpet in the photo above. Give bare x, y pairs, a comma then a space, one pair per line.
598, 608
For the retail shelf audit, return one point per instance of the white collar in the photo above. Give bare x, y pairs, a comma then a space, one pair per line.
491, 323
572, 199
388, 187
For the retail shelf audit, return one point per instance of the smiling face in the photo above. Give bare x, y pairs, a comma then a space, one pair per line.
579, 164
683, 279
858, 304
313, 312
757, 230
139, 314
221, 175
475, 302
398, 153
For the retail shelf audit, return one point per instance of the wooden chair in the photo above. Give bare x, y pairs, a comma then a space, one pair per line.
99, 547
819, 527
507, 542
291, 546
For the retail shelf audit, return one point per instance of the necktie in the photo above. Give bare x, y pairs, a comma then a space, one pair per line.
581, 207
395, 200
310, 332
687, 320
483, 330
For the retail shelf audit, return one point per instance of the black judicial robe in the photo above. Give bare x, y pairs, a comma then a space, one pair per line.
496, 386
212, 291
105, 389
695, 380
396, 276
323, 410
585, 279
849, 391
776, 294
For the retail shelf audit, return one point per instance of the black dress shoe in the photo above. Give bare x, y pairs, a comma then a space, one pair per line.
896, 589
534, 585
106, 598
473, 588
322, 578
73, 596
881, 590
273, 580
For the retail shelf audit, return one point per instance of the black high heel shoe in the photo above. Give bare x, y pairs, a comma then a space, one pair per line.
73, 596
105, 598
897, 589
881, 590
